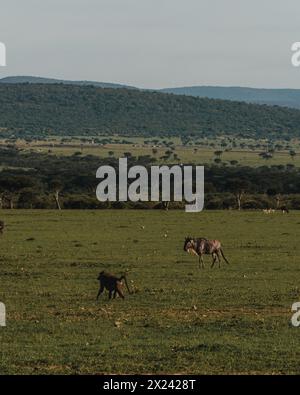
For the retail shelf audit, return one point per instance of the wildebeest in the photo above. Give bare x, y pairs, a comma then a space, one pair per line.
202, 246
284, 209
112, 283
2, 226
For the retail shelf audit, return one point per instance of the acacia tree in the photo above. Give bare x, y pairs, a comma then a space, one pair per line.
239, 188
292, 154
128, 155
11, 186
27, 198
218, 153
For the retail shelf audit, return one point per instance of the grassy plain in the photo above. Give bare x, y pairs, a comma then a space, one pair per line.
185, 153
179, 320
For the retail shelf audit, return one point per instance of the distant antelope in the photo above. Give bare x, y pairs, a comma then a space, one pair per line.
269, 211
201, 246
283, 209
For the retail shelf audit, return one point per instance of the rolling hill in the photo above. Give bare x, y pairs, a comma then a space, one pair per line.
279, 97
42, 80
61, 109
273, 97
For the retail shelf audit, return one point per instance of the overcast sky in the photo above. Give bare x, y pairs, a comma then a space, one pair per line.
153, 43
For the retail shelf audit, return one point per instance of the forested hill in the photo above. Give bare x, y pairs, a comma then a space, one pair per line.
272, 97
66, 109
42, 80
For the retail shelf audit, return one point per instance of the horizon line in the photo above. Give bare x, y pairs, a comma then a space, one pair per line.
146, 88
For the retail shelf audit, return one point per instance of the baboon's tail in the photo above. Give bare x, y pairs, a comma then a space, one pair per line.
224, 256
125, 279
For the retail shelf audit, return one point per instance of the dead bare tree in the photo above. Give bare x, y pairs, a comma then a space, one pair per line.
239, 195
278, 201
56, 196
238, 187
57, 186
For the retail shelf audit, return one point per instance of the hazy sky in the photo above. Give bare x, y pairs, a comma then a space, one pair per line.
153, 43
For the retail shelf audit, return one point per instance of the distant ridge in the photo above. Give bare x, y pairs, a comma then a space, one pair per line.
272, 97
278, 97
42, 80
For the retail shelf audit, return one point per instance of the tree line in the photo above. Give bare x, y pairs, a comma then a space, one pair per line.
43, 181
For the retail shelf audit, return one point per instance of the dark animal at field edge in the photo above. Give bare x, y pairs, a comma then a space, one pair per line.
202, 246
113, 284
2, 226
284, 210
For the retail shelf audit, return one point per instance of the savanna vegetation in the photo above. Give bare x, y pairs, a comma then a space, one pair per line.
179, 319
225, 151
37, 180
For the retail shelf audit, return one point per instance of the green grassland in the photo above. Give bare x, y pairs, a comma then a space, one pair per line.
185, 155
194, 154
180, 319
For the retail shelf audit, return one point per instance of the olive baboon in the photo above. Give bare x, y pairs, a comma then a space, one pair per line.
112, 283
